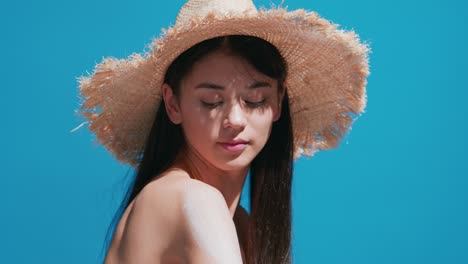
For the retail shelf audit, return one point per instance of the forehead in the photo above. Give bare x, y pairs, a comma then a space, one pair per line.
223, 68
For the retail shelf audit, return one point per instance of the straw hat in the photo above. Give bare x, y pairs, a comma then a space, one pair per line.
327, 71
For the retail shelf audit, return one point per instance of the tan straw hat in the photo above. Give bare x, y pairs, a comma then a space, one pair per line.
327, 71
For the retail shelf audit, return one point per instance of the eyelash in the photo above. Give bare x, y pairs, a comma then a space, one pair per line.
211, 106
255, 104
249, 104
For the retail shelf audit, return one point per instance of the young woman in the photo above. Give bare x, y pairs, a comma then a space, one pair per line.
221, 99
206, 107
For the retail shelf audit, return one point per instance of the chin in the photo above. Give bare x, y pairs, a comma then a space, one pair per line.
240, 162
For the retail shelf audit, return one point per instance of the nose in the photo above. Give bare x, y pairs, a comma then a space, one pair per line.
235, 117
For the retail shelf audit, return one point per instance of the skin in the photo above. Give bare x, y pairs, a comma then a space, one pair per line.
223, 99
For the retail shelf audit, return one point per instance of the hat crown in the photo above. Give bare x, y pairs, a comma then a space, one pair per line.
201, 8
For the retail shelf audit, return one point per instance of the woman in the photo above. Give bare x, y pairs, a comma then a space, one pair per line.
216, 118
209, 103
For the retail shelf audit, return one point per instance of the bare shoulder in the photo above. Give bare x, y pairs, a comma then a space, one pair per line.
210, 229
176, 219
151, 230
201, 195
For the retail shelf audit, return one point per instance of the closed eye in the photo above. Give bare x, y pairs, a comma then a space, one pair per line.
211, 105
255, 104
248, 103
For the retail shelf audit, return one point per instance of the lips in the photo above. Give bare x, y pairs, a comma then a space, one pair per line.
234, 145
235, 142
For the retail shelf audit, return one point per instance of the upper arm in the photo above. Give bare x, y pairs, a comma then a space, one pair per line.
152, 227
189, 220
211, 234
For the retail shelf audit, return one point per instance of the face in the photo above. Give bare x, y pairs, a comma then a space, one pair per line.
226, 109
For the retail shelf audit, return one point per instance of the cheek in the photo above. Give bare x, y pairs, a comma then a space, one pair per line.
261, 126
198, 124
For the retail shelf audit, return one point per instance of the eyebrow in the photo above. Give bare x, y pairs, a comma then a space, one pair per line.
209, 86
213, 86
259, 85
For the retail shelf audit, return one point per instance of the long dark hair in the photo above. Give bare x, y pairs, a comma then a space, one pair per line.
269, 231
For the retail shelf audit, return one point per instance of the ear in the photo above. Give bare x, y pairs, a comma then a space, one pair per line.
172, 104
277, 113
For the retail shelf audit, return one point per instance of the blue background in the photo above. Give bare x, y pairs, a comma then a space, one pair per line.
394, 192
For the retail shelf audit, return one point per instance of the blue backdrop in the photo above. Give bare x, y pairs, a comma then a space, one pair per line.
395, 191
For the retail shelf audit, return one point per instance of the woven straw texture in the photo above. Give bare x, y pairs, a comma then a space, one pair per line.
327, 75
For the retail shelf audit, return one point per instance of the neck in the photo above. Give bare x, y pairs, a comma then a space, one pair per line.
229, 183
